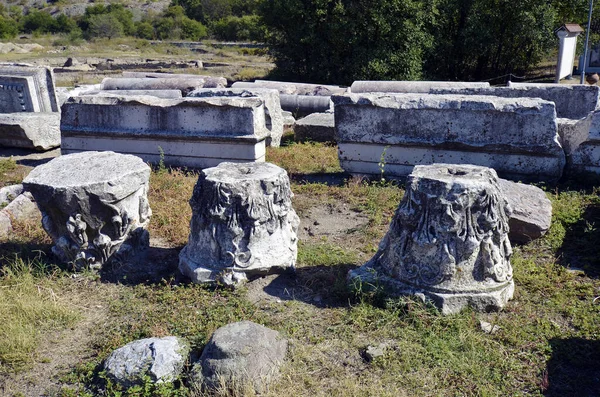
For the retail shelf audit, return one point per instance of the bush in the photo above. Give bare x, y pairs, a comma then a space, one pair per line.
8, 28
192, 30
245, 28
38, 21
144, 30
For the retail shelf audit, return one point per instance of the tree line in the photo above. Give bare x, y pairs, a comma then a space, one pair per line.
340, 41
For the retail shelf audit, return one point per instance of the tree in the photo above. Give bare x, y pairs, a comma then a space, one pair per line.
105, 25
483, 39
339, 41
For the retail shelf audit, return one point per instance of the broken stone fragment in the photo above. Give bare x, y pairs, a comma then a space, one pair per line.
161, 359
531, 211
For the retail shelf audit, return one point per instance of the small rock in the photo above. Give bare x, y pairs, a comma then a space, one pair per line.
160, 358
489, 328
23, 208
239, 355
9, 193
372, 352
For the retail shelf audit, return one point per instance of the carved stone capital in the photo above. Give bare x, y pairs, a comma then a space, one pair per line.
448, 240
243, 223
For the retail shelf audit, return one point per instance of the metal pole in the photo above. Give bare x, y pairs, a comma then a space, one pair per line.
587, 39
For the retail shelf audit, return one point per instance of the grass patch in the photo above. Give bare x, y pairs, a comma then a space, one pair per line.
29, 305
548, 342
305, 158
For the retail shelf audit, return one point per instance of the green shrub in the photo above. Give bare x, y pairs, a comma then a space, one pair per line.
144, 30
245, 28
8, 28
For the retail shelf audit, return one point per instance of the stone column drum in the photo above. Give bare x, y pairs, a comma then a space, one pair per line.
243, 224
448, 241
94, 206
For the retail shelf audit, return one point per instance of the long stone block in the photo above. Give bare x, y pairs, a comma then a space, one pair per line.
26, 88
273, 111
191, 132
289, 88
517, 137
572, 101
407, 87
166, 94
185, 85
209, 81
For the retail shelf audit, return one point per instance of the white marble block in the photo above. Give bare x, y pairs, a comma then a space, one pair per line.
243, 224
394, 132
448, 241
94, 206
190, 132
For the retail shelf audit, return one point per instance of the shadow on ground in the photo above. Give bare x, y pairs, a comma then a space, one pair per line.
581, 245
320, 286
154, 265
574, 368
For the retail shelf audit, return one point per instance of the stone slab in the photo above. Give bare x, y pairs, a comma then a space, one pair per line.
572, 101
316, 127
37, 131
423, 87
40, 88
194, 132
518, 137
273, 111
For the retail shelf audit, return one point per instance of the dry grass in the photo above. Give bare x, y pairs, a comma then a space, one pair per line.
305, 158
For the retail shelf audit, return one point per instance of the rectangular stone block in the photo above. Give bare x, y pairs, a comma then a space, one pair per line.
37, 131
517, 137
572, 101
26, 88
191, 132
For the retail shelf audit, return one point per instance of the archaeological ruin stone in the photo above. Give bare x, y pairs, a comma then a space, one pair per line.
273, 112
586, 156
16, 206
317, 127
447, 242
94, 206
391, 133
29, 116
289, 88
531, 211
243, 224
240, 355
162, 359
38, 131
185, 84
299, 98
209, 81
187, 132
167, 94
406, 87
26, 88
